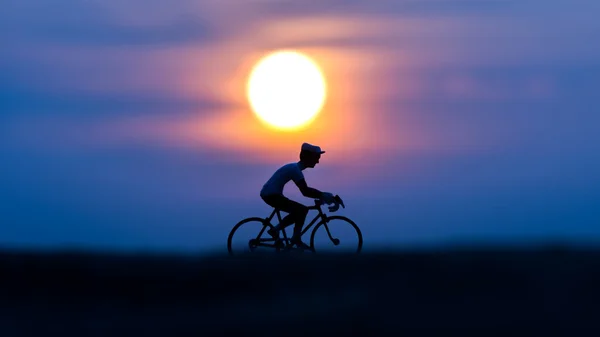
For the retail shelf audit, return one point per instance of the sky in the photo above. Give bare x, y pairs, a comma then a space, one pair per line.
124, 124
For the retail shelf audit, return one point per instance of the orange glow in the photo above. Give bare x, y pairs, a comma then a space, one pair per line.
347, 124
340, 125
354, 119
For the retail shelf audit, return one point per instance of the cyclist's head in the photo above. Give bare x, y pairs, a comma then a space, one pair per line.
310, 154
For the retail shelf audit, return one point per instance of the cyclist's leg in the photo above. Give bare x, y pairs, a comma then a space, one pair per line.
275, 201
296, 213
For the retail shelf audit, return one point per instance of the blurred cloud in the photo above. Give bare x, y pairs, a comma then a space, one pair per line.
100, 23
189, 63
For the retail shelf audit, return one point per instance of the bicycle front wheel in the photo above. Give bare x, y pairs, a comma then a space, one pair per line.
337, 235
250, 236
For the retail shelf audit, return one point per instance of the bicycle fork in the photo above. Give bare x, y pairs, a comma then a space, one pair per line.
335, 241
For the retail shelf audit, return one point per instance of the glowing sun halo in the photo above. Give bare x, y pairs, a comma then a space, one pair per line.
286, 90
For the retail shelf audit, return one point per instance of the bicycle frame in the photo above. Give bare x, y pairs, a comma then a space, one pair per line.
285, 242
320, 216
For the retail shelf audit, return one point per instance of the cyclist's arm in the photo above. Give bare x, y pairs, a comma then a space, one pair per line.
308, 191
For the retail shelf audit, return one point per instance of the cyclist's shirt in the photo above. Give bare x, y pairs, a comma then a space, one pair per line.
281, 177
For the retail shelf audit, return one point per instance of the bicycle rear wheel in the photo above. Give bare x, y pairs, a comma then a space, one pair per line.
338, 235
250, 236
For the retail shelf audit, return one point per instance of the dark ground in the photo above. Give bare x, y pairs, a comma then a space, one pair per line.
453, 293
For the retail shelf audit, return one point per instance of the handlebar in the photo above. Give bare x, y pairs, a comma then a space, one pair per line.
336, 204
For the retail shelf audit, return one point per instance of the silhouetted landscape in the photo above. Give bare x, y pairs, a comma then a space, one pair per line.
469, 292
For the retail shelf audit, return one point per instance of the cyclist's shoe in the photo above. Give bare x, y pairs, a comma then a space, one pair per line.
301, 245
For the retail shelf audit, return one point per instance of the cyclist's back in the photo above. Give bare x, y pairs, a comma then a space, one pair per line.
275, 185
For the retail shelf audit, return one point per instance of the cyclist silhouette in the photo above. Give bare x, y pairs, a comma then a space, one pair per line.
272, 192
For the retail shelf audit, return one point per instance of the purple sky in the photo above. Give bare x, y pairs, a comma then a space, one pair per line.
124, 124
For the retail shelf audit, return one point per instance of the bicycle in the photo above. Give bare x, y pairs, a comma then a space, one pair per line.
284, 242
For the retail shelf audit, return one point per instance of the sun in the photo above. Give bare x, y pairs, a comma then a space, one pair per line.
286, 90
